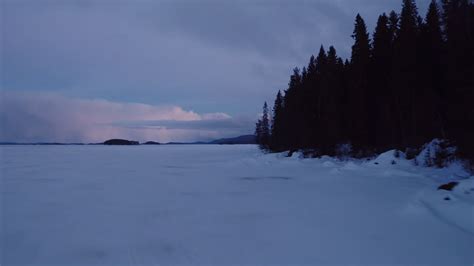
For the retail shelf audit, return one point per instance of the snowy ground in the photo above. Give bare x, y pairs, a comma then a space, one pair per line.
188, 205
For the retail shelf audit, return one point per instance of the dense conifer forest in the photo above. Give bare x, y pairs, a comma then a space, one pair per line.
409, 82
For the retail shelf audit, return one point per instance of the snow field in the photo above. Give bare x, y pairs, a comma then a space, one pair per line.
222, 205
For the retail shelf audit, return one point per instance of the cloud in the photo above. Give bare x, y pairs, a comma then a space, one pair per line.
169, 55
199, 54
49, 117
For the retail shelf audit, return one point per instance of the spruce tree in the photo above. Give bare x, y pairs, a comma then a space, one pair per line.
264, 129
381, 112
258, 132
404, 76
431, 79
292, 117
277, 127
359, 74
316, 127
331, 104
458, 17
393, 25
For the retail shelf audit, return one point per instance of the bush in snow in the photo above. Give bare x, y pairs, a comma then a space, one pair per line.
439, 153
344, 151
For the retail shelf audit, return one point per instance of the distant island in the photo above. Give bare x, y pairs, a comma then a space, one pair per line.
120, 142
151, 143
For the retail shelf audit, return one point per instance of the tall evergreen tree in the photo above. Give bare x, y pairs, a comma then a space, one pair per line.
358, 92
262, 130
277, 127
316, 111
330, 123
393, 24
292, 119
459, 34
380, 93
431, 80
404, 75
361, 47
307, 104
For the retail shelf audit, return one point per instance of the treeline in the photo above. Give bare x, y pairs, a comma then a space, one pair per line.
413, 81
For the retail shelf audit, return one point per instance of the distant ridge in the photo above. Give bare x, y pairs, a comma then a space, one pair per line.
244, 139
151, 143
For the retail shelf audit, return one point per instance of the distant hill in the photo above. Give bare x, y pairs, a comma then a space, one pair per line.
245, 139
120, 142
187, 143
151, 143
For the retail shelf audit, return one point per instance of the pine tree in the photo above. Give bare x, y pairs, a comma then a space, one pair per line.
393, 25
277, 133
458, 17
404, 76
358, 92
315, 112
381, 53
311, 66
331, 104
262, 130
258, 132
361, 47
431, 81
265, 127
381, 120
308, 90
292, 118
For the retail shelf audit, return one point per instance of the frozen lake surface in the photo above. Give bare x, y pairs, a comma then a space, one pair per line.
221, 205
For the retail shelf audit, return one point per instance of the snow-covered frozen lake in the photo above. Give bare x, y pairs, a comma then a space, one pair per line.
221, 205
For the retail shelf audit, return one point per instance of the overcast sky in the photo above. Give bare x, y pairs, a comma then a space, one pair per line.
181, 70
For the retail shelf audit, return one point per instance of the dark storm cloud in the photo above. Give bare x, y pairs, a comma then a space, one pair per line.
209, 56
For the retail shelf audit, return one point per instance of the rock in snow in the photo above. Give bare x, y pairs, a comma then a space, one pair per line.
449, 186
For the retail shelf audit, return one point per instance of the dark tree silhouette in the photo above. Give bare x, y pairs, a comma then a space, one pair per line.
262, 130
404, 76
358, 91
382, 106
277, 132
412, 83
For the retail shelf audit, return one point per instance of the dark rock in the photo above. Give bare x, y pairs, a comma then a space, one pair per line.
447, 198
449, 186
376, 163
120, 142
